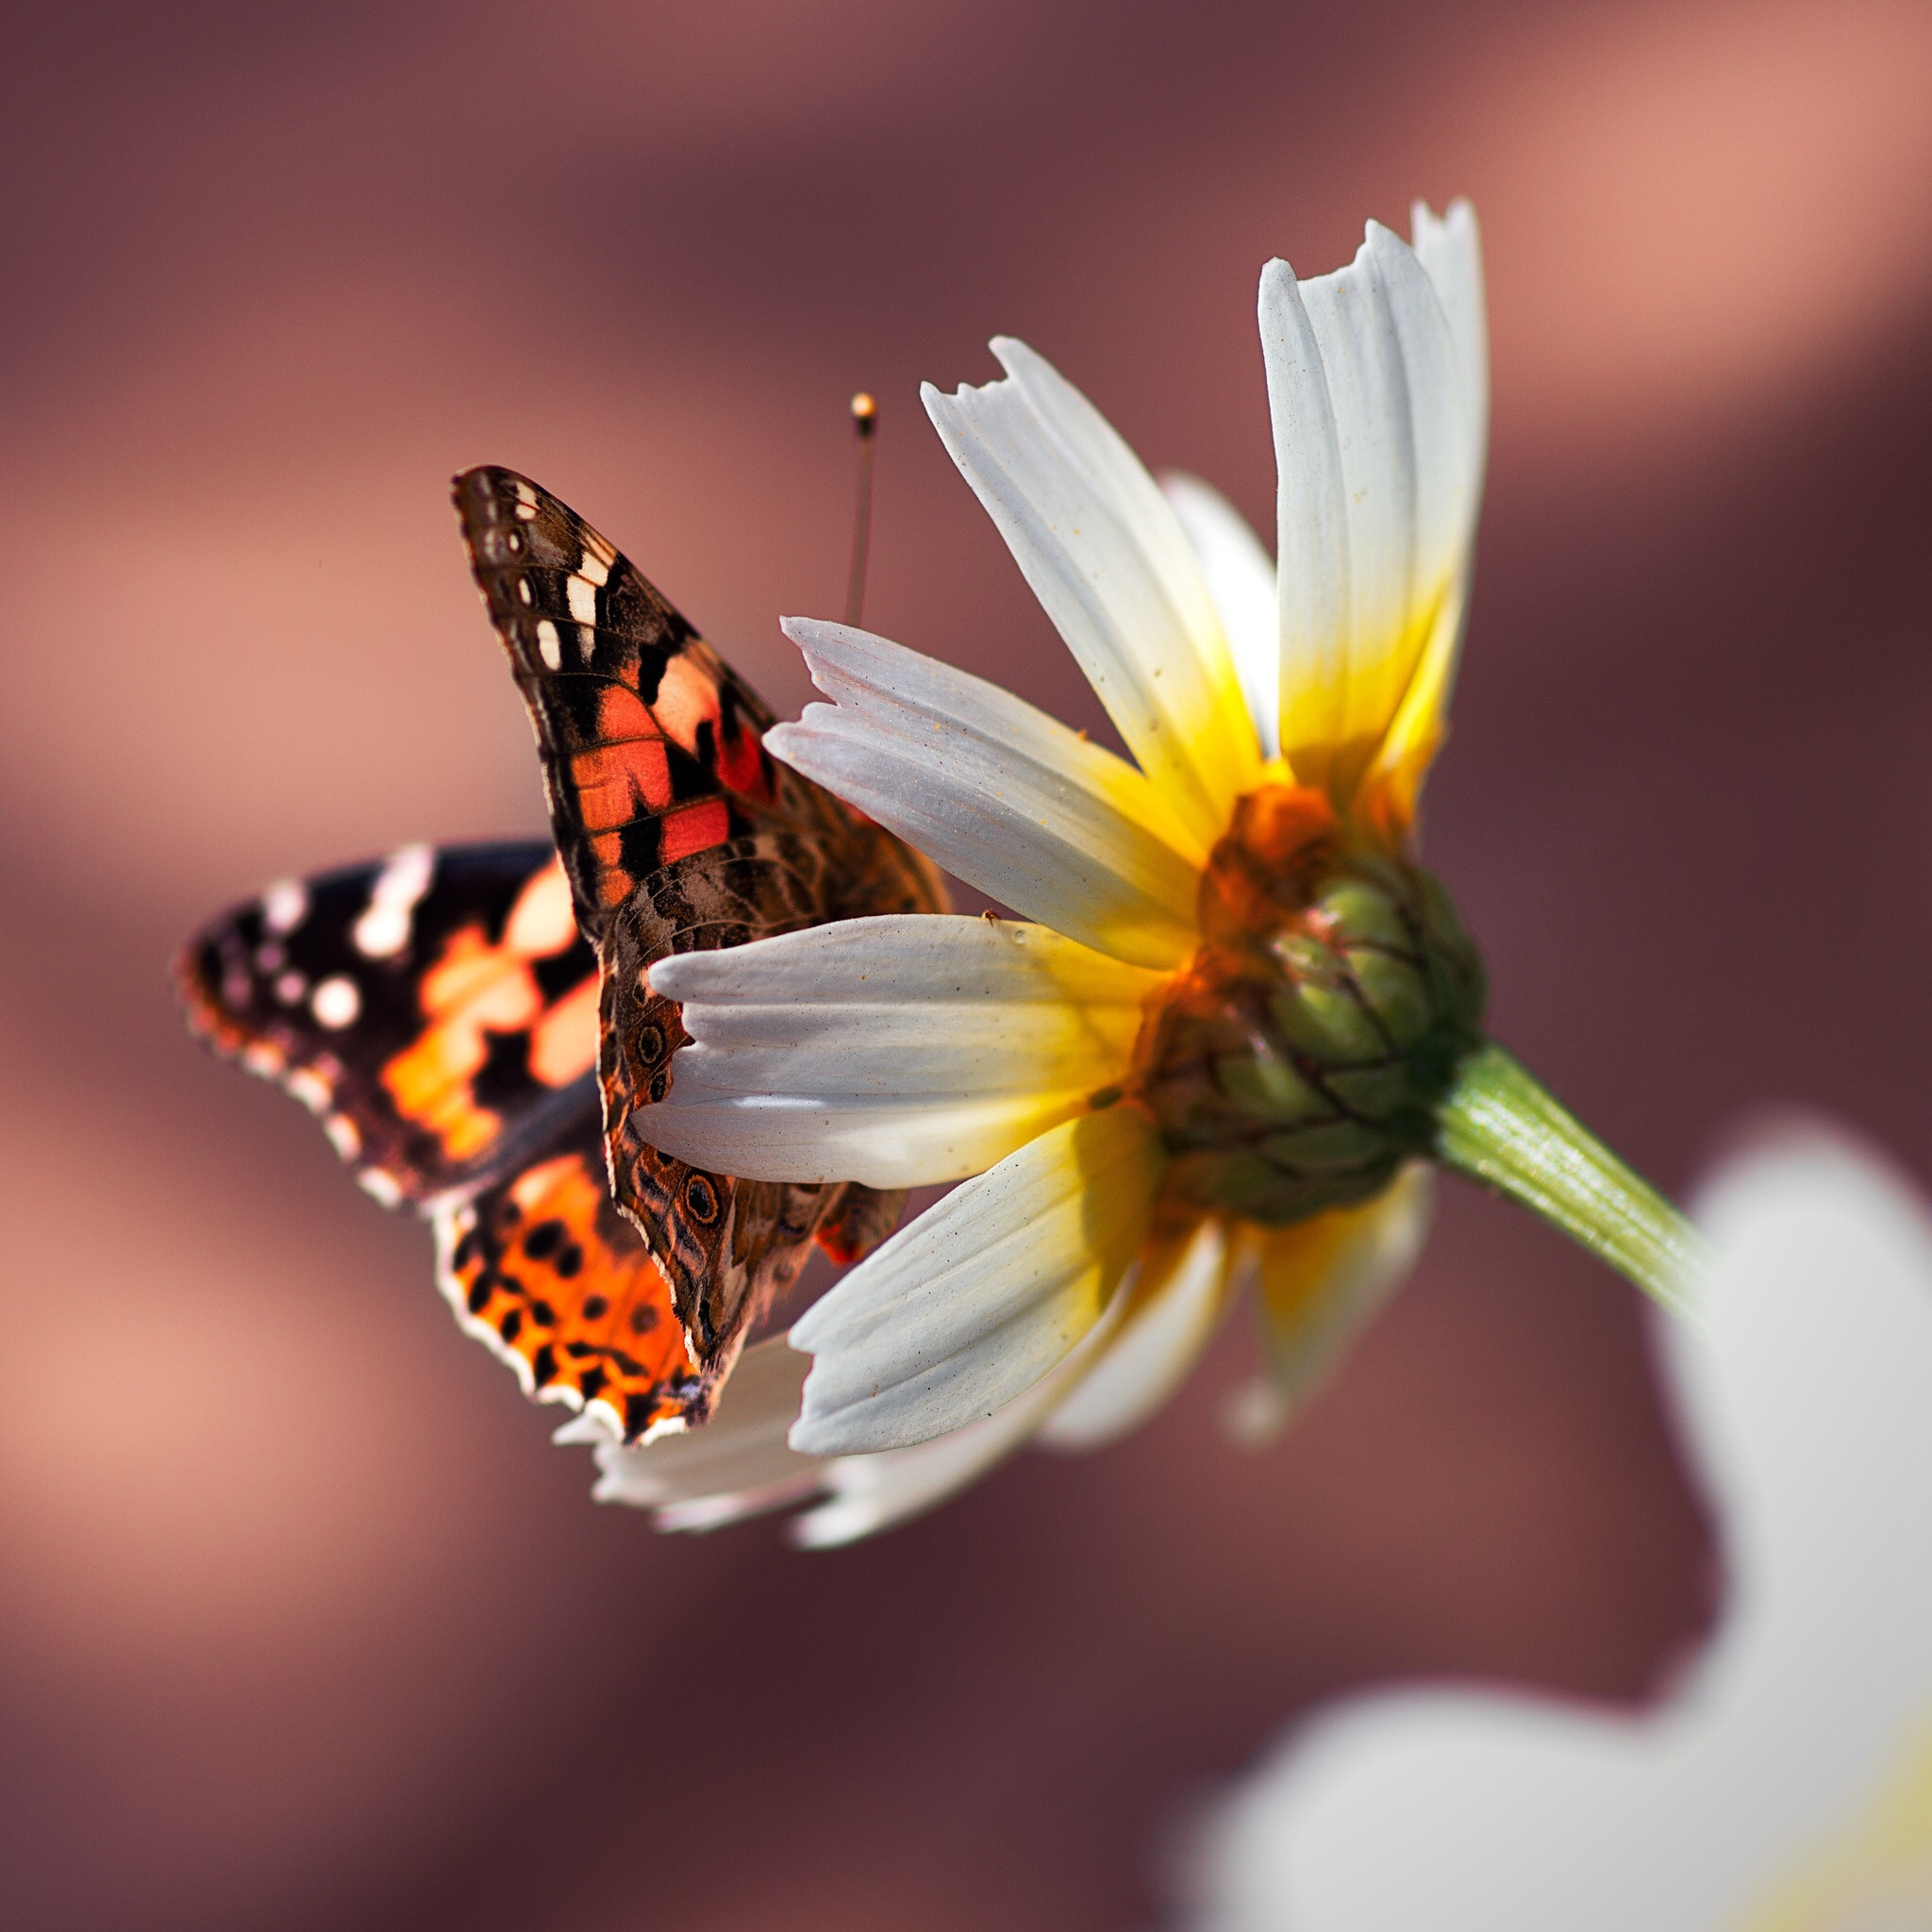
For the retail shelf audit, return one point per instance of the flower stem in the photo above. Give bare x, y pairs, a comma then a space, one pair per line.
1505, 1131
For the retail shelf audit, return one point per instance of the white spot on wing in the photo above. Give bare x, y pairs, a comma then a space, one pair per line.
524, 591
335, 1003
527, 501
543, 920
383, 931
587, 642
597, 1425
549, 644
343, 1136
594, 565
285, 906
373, 1180
310, 1088
583, 600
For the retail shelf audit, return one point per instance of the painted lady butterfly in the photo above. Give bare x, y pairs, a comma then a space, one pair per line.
473, 1026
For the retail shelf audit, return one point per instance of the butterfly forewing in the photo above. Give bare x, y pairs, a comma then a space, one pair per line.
679, 832
650, 745
427, 1006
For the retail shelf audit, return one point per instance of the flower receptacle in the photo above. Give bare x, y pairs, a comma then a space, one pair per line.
1299, 1059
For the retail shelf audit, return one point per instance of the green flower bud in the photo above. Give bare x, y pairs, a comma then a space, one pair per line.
1306, 1051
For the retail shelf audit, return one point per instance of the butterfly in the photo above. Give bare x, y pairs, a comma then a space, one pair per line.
474, 1027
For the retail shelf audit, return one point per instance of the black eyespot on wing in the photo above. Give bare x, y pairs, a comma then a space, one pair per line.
701, 1200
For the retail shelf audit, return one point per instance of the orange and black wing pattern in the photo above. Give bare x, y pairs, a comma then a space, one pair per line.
652, 746
475, 1026
542, 1267
438, 1009
678, 831
428, 1006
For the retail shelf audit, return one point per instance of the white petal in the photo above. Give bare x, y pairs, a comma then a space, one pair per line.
736, 1465
1758, 1795
1417, 729
1000, 794
1107, 558
1316, 1285
1240, 576
1375, 452
1450, 249
983, 1294
898, 1050
869, 1493
1153, 1352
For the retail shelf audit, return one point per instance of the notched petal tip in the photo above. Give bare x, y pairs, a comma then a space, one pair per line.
1106, 557
1375, 390
1278, 283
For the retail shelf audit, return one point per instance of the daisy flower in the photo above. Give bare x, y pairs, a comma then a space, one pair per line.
1234, 1021
1786, 1787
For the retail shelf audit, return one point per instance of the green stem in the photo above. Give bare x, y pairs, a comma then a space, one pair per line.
1505, 1131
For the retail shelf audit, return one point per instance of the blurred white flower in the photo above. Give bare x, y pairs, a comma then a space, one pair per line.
1788, 1786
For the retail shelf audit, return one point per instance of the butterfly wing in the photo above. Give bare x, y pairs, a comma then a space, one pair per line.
650, 745
542, 1268
437, 1011
429, 1007
728, 1245
678, 831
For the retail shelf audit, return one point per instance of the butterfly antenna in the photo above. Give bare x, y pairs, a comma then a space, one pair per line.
865, 422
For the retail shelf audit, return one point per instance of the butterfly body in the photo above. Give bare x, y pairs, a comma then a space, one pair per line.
476, 1027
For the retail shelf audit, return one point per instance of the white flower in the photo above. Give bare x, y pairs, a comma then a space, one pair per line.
1788, 1786
1220, 1044
738, 1464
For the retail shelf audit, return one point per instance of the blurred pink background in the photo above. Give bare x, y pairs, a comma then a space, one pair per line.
302, 1622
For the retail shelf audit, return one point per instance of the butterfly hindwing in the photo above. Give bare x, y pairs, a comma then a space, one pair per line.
728, 1245
542, 1267
431, 1007
858, 1220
